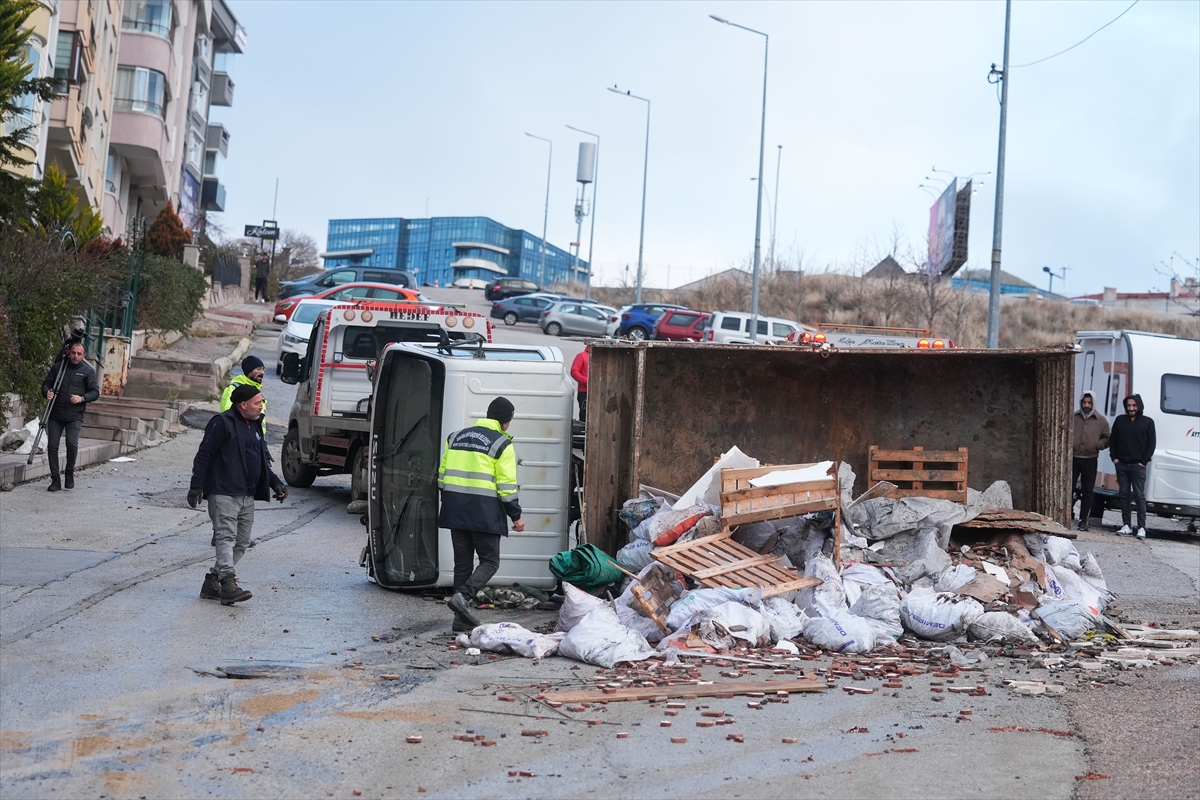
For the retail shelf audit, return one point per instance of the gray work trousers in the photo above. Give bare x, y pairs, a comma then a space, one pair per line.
232, 517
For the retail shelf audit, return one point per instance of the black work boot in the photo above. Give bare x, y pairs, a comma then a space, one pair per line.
232, 593
69, 480
461, 606
460, 627
211, 588
54, 486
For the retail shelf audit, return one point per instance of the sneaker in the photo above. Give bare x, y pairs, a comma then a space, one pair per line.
54, 486
1081, 526
462, 610
232, 593
1124, 531
1141, 534
69, 480
211, 588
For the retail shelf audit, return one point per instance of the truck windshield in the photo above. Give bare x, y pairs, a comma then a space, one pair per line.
361, 341
498, 355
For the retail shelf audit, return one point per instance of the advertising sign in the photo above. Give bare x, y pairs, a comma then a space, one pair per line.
949, 226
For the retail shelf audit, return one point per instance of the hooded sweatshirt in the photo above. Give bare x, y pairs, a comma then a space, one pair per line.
1132, 439
1090, 434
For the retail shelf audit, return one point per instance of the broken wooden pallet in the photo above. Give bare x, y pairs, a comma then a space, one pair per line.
682, 690
718, 562
948, 482
653, 593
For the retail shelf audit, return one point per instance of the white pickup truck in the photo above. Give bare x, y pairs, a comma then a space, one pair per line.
328, 424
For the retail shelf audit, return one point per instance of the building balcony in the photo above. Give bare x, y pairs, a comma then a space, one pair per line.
141, 139
138, 49
478, 263
212, 197
222, 89
217, 139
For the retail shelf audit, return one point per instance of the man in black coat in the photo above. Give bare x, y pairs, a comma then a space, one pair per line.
77, 389
1131, 446
231, 470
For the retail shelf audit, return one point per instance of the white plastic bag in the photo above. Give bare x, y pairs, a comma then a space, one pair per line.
686, 607
785, 619
509, 637
939, 616
1000, 626
950, 579
576, 605
826, 598
1063, 584
1070, 619
601, 639
1060, 551
841, 632
635, 556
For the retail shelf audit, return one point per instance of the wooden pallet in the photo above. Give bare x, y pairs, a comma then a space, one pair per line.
654, 595
742, 502
718, 561
916, 480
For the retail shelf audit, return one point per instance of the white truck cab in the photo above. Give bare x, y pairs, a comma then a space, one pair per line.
423, 393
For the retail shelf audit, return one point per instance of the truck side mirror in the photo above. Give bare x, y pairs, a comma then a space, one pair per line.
291, 368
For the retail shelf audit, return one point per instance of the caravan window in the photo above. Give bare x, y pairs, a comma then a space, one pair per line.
1180, 395
1089, 371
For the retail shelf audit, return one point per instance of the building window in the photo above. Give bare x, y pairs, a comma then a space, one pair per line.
140, 89
26, 106
68, 68
112, 175
195, 149
200, 98
223, 62
214, 164
151, 16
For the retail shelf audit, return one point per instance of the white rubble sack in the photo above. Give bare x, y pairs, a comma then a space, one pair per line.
601, 639
721, 625
882, 604
576, 605
32, 426
1063, 584
950, 579
509, 637
857, 576
1060, 551
685, 608
785, 619
938, 616
840, 633
1069, 618
1000, 626
635, 556
1090, 572
708, 488
662, 521
827, 597
918, 551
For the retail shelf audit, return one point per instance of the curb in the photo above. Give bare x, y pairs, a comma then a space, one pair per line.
225, 363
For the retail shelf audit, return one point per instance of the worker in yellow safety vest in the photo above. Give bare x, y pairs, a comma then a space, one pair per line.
253, 372
478, 479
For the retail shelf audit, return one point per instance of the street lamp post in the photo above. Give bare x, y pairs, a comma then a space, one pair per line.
645, 172
775, 202
546, 216
1053, 275
587, 291
762, 139
993, 326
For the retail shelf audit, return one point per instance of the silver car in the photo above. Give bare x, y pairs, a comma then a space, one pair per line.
575, 317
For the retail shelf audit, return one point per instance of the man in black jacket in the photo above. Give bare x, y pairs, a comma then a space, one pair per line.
77, 389
1131, 447
231, 470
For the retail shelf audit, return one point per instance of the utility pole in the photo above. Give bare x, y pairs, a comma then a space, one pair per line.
993, 328
775, 212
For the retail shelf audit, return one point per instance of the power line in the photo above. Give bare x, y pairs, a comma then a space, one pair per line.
1081, 41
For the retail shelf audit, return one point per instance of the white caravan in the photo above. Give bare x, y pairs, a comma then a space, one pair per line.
1165, 371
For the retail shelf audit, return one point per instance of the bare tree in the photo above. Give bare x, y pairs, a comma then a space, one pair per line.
1184, 288
297, 255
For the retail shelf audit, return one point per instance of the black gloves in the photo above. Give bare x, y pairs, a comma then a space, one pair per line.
194, 496
280, 492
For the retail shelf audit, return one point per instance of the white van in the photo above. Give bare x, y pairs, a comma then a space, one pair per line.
425, 392
1165, 371
733, 327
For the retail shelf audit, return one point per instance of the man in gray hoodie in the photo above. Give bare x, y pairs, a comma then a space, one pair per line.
1088, 437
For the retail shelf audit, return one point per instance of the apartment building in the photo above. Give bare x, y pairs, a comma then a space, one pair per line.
39, 52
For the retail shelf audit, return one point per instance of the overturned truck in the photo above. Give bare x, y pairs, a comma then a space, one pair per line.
658, 412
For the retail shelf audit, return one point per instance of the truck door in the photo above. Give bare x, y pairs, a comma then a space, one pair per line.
406, 424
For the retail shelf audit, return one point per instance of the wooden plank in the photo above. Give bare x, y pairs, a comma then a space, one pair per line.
782, 512
783, 588
949, 475
940, 494
823, 485
758, 472
679, 690
916, 454
674, 548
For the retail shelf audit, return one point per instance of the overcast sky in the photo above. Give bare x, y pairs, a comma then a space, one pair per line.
414, 109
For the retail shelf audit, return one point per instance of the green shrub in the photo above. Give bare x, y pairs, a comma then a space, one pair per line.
169, 294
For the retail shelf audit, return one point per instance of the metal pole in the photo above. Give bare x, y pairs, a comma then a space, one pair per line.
775, 213
546, 216
642, 231
587, 294
993, 329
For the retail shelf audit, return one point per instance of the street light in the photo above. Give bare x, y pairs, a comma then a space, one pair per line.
546, 216
645, 171
587, 292
1053, 275
761, 148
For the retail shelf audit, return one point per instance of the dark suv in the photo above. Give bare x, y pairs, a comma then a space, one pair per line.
509, 287
336, 276
637, 321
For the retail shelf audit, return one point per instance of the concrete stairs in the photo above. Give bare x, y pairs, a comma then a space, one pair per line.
164, 376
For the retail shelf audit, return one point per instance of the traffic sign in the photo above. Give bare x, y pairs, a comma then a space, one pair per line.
262, 232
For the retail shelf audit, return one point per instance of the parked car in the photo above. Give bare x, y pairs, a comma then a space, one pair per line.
313, 284
614, 321
295, 334
676, 325
637, 320
575, 317
376, 292
501, 288
522, 308
470, 283
733, 327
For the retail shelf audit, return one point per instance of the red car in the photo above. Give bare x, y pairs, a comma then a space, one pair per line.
375, 292
681, 325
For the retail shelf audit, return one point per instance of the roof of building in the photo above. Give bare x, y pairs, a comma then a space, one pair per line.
985, 275
717, 277
887, 268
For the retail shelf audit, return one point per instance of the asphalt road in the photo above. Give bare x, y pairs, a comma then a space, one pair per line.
111, 676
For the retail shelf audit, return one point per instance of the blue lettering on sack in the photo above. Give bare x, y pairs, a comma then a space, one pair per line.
926, 623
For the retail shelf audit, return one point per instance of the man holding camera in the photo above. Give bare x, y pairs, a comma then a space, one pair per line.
232, 471
77, 388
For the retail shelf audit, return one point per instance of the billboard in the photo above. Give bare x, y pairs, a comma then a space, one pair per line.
949, 225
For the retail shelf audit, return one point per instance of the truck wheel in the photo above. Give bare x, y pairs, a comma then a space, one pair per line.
295, 471
638, 333
554, 329
510, 318
358, 475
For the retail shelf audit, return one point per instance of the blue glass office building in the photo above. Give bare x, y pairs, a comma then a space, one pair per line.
442, 250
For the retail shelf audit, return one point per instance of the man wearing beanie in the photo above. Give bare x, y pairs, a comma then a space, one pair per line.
252, 375
232, 471
478, 479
